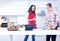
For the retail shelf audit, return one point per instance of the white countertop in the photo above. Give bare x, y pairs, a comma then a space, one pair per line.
21, 31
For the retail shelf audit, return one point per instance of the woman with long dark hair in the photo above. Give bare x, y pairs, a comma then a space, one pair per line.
32, 16
31, 20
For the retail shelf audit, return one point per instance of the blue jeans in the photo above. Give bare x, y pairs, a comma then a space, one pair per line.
26, 37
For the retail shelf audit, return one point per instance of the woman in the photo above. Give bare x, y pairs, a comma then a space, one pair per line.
31, 20
51, 21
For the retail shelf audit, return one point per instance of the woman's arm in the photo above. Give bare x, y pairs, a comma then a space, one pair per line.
47, 23
32, 19
56, 21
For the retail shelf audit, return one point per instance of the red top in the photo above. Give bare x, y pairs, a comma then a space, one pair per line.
31, 16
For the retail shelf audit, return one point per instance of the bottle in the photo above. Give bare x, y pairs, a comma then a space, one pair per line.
8, 23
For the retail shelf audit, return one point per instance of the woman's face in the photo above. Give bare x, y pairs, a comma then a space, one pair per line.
33, 8
48, 8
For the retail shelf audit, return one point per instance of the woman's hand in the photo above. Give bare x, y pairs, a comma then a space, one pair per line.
49, 27
55, 25
32, 19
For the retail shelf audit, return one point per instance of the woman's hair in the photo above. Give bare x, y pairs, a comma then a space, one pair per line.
30, 9
49, 4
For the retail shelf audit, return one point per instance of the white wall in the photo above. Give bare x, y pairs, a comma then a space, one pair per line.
14, 8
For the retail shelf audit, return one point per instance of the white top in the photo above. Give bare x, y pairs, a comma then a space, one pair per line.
51, 18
